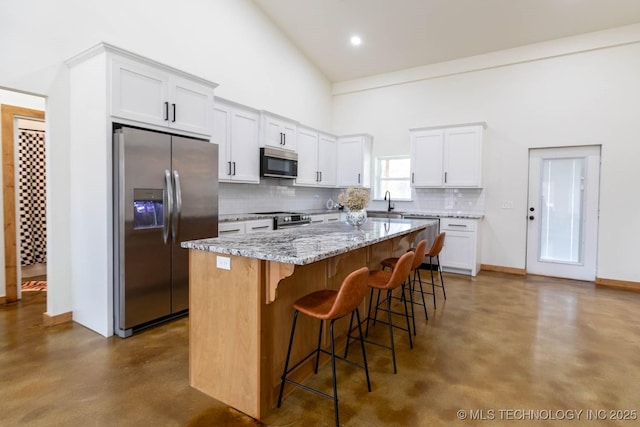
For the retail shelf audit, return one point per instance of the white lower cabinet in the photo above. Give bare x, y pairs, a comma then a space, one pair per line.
325, 218
461, 252
258, 225
244, 227
229, 228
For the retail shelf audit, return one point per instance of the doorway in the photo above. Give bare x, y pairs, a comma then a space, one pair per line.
10, 160
562, 229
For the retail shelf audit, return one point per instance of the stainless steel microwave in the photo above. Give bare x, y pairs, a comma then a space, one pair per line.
276, 163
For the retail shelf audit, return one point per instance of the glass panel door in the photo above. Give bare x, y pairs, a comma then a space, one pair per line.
562, 210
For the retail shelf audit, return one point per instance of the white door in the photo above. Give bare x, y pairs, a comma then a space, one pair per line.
562, 234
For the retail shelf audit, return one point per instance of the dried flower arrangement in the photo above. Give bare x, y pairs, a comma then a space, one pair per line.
354, 198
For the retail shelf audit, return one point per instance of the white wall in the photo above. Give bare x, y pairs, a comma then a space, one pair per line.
17, 100
229, 42
550, 98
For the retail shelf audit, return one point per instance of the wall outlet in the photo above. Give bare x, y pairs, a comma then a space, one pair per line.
507, 204
223, 262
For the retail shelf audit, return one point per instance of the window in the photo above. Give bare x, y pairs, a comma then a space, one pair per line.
393, 174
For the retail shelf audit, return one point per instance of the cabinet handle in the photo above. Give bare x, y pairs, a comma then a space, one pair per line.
166, 111
320, 176
358, 178
229, 231
413, 177
174, 113
234, 168
229, 164
457, 225
281, 138
262, 227
445, 177
317, 176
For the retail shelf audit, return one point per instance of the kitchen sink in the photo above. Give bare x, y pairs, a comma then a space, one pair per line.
384, 214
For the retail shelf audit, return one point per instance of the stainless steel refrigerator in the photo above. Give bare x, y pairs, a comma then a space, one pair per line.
165, 192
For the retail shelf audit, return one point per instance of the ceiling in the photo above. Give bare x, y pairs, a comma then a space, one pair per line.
399, 34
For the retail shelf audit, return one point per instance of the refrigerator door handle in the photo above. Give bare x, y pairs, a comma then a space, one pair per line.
167, 203
178, 213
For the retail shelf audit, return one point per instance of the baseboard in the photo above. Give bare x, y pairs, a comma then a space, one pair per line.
501, 269
618, 284
3, 300
49, 320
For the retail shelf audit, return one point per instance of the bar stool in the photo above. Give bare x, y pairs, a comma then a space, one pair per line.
330, 305
383, 280
419, 251
434, 252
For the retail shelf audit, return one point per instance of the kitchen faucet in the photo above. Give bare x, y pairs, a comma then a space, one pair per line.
389, 207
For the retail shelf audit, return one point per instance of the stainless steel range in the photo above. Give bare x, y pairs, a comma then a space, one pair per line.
287, 219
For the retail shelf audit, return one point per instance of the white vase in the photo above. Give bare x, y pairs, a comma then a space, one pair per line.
356, 218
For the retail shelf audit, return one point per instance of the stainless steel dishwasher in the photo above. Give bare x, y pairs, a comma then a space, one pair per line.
429, 233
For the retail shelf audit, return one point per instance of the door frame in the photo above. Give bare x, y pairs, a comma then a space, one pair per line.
594, 218
9, 114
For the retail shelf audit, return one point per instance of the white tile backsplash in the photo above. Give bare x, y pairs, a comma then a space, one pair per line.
439, 200
282, 195
271, 195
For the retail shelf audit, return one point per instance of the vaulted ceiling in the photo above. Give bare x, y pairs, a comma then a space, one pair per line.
399, 34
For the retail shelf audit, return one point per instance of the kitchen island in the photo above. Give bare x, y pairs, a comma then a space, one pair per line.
241, 291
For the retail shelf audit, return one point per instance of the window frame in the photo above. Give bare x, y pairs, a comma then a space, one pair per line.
377, 187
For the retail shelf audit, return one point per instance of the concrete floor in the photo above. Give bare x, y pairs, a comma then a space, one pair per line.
506, 347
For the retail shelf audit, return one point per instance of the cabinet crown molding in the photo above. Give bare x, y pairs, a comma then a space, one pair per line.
103, 47
483, 124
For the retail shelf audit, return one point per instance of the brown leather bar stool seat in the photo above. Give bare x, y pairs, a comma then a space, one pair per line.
419, 251
330, 305
382, 280
434, 252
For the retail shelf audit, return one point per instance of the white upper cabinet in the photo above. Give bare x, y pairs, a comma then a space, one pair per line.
278, 132
155, 95
447, 156
328, 160
317, 154
236, 133
354, 160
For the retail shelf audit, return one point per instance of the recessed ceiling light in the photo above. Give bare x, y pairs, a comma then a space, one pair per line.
356, 40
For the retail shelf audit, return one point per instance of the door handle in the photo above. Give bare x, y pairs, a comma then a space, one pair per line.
178, 214
167, 202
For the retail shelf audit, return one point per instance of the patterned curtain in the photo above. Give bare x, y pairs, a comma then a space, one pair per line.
32, 197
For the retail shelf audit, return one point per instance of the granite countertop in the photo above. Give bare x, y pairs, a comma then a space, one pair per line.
305, 245
445, 214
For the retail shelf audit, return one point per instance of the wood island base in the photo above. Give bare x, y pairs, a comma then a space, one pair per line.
240, 320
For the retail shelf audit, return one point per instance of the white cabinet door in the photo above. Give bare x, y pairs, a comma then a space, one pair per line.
139, 92
426, 158
258, 225
308, 173
317, 219
354, 161
463, 157
236, 132
229, 228
222, 137
155, 96
332, 217
191, 105
460, 253
279, 133
245, 150
447, 157
327, 160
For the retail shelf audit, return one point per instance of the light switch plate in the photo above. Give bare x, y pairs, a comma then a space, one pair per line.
223, 262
